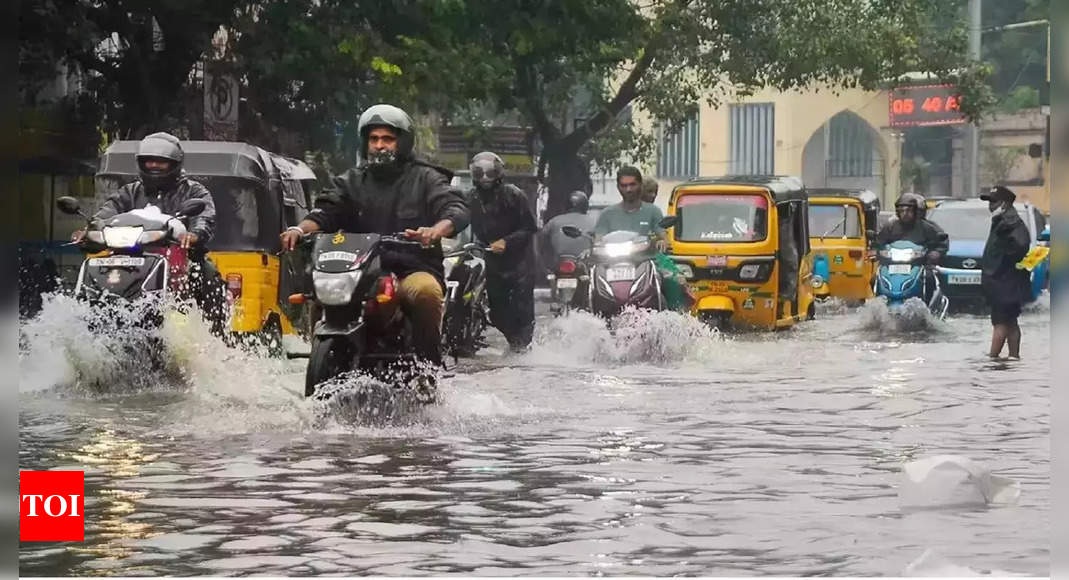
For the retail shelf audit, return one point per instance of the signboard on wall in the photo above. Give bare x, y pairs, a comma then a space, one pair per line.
925, 106
220, 105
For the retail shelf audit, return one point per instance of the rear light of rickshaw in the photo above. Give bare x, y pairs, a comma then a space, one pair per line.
233, 286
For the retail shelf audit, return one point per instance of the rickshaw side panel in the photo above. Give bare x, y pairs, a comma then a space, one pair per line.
256, 284
850, 267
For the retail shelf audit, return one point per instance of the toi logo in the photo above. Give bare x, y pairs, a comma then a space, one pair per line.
51, 506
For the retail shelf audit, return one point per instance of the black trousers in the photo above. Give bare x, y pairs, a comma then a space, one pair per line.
512, 308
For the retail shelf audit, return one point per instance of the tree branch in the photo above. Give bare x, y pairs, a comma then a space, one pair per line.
627, 93
532, 98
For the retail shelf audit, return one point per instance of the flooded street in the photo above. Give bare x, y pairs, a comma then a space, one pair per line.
665, 449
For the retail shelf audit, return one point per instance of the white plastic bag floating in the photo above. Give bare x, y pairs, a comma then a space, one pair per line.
953, 481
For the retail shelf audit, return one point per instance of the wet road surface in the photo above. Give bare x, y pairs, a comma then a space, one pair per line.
665, 449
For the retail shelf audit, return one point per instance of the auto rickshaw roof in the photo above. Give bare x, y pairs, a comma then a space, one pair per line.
869, 200
204, 158
782, 187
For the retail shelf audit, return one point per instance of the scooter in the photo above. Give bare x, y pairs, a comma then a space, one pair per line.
141, 258
466, 310
621, 271
362, 326
564, 283
902, 276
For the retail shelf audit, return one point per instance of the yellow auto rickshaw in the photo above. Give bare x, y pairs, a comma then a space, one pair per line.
257, 195
743, 245
844, 264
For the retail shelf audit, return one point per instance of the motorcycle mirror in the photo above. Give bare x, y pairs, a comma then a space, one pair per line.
668, 221
69, 205
192, 207
571, 231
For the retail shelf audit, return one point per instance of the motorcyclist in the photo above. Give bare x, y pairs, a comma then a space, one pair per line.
552, 236
163, 184
502, 217
912, 225
392, 191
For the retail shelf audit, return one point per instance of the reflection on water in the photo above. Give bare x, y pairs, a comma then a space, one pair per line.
660, 448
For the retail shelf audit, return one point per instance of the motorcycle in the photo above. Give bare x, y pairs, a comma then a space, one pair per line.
466, 310
362, 326
901, 276
621, 271
564, 283
142, 257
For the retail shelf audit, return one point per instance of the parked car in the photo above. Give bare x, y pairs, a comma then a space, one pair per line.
968, 223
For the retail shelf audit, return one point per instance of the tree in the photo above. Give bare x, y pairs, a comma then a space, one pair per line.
667, 56
135, 57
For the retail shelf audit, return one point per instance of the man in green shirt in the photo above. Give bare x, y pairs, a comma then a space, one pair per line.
632, 214
635, 215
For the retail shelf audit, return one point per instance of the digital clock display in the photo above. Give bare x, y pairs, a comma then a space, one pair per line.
925, 105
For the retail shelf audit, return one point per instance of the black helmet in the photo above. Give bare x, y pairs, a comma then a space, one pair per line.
487, 170
386, 116
160, 146
578, 202
913, 200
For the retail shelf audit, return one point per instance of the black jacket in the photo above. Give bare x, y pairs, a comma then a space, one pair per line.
1007, 243
133, 196
417, 195
505, 214
923, 233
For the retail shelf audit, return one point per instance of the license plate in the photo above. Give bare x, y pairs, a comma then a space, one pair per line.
716, 261
338, 256
117, 261
617, 273
567, 283
963, 278
899, 269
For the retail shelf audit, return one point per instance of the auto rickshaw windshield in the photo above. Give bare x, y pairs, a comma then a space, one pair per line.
836, 221
722, 218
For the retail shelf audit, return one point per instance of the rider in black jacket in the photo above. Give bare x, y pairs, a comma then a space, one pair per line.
390, 193
501, 216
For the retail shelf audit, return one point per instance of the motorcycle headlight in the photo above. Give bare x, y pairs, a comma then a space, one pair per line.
686, 270
619, 249
749, 271
122, 237
336, 289
95, 236
902, 254
151, 237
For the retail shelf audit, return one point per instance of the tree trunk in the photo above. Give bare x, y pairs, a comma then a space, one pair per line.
567, 173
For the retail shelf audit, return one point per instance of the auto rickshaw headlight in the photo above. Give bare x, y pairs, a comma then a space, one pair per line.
817, 281
336, 289
750, 271
686, 270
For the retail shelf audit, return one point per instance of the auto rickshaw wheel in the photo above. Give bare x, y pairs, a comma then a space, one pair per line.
716, 319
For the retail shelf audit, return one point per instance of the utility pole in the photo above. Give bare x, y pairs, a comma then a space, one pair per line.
972, 169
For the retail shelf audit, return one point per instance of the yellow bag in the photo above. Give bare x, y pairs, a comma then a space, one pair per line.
1036, 255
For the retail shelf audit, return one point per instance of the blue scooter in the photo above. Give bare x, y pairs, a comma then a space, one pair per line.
901, 276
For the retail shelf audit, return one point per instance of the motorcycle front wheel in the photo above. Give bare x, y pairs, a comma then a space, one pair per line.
330, 357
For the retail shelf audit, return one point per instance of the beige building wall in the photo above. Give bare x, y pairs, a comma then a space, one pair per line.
800, 119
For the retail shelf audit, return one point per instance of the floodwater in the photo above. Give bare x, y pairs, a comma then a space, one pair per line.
664, 449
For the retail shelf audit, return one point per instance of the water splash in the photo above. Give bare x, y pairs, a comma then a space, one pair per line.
634, 336
912, 318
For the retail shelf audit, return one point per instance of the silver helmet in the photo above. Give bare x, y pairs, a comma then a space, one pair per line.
487, 170
383, 115
160, 146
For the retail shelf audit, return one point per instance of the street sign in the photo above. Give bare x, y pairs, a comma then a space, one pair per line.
220, 106
925, 105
